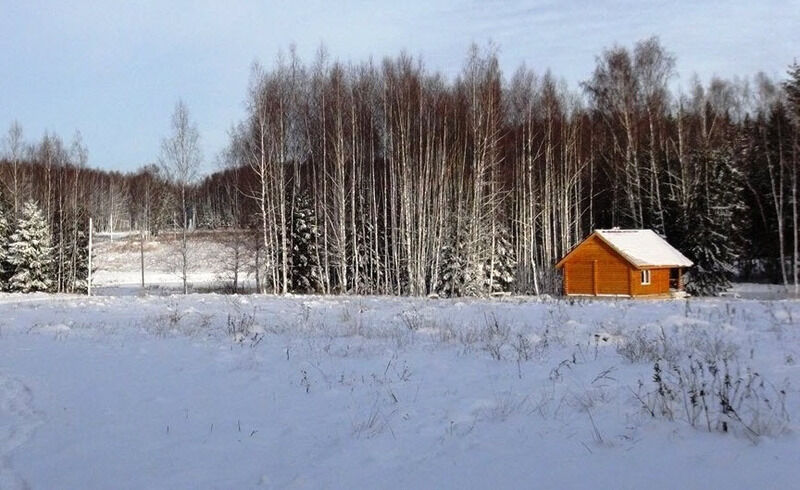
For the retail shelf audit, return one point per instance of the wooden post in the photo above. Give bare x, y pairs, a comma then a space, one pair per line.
141, 253
89, 280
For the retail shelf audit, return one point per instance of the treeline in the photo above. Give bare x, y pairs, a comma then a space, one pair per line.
28, 261
44, 212
55, 175
390, 179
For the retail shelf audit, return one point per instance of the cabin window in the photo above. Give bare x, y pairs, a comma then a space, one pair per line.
645, 278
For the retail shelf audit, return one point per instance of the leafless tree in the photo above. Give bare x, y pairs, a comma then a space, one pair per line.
180, 159
14, 152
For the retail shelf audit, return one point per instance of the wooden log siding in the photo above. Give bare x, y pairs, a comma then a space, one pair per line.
595, 268
659, 282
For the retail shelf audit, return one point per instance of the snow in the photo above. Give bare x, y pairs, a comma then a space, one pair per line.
214, 391
118, 264
137, 388
761, 291
644, 248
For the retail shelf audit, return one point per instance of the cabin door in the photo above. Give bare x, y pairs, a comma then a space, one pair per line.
676, 279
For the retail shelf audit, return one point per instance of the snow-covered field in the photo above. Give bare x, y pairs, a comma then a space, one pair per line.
127, 390
212, 391
118, 263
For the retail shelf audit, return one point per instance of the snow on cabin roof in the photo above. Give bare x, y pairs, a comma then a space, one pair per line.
643, 248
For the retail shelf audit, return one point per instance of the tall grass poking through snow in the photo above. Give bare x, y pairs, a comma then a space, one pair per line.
699, 379
242, 329
682, 363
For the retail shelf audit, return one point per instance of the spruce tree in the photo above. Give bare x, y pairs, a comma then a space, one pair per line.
80, 254
29, 252
715, 221
450, 282
499, 275
792, 88
5, 232
452, 268
305, 273
492, 273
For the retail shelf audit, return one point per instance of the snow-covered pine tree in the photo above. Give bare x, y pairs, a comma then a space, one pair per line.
79, 253
714, 222
499, 275
29, 252
5, 232
792, 88
453, 276
450, 276
494, 273
305, 273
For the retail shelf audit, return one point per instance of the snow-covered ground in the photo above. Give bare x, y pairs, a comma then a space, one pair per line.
117, 263
212, 391
130, 389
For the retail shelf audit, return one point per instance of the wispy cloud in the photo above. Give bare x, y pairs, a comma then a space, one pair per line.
114, 69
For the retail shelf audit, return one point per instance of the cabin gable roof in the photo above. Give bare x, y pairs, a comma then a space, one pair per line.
643, 249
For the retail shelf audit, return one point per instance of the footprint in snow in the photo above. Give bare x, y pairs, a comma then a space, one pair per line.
18, 421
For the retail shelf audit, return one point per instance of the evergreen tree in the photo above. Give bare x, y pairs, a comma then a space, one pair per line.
499, 276
451, 278
792, 88
305, 273
454, 279
5, 232
459, 277
714, 222
79, 251
29, 252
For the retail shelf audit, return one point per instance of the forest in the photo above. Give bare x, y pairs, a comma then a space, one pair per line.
389, 178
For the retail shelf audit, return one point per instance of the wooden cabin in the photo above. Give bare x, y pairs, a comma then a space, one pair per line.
623, 263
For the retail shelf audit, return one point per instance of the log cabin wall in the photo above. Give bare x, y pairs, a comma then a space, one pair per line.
594, 268
659, 282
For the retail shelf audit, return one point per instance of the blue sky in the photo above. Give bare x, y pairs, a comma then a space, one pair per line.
114, 70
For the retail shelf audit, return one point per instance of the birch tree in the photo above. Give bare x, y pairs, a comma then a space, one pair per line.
180, 158
14, 152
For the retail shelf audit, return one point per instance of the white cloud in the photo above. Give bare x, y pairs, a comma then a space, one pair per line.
114, 70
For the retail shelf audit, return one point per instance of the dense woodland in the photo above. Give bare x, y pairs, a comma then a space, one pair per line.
389, 178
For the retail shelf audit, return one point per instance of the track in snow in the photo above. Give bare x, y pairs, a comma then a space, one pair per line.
18, 421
